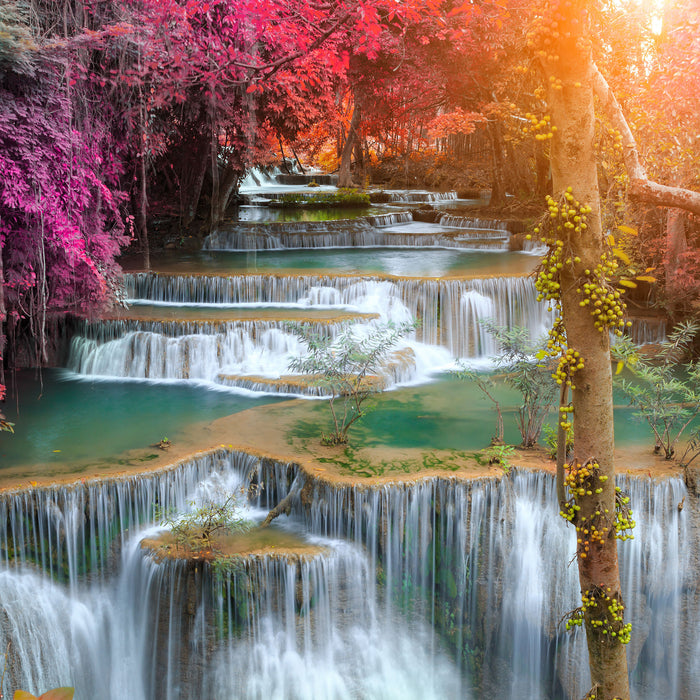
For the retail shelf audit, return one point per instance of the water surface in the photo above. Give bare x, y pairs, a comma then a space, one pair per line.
61, 419
401, 262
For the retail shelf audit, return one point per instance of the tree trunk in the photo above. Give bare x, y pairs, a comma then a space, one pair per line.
141, 199
192, 181
518, 179
215, 201
344, 173
498, 183
227, 187
573, 165
676, 244
359, 162
542, 174
3, 339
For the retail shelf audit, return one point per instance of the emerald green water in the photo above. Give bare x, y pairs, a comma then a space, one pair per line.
389, 261
451, 414
67, 420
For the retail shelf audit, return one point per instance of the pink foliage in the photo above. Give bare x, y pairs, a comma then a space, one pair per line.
60, 228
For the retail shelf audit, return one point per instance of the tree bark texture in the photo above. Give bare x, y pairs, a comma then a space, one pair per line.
191, 177
573, 164
344, 172
141, 198
498, 183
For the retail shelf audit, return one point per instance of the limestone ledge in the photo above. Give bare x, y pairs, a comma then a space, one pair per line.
267, 432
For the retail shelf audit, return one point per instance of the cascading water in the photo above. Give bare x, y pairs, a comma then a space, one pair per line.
445, 319
169, 352
420, 196
437, 589
449, 313
380, 230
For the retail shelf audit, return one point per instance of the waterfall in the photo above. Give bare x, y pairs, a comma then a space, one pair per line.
461, 222
344, 645
644, 331
187, 350
446, 317
479, 567
250, 355
420, 196
491, 558
381, 230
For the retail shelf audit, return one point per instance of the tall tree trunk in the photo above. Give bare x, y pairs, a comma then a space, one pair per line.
285, 164
215, 213
227, 187
676, 244
542, 174
573, 165
359, 162
141, 198
192, 182
3, 339
344, 173
518, 177
498, 180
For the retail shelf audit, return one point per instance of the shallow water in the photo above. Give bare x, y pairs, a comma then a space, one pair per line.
389, 261
68, 419
62, 419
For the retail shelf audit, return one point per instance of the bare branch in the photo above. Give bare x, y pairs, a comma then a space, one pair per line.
641, 188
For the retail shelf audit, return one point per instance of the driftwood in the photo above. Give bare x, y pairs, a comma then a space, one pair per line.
284, 506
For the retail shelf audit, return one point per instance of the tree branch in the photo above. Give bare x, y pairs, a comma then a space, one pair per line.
641, 188
273, 66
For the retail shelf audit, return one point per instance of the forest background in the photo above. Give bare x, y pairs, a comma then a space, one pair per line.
118, 115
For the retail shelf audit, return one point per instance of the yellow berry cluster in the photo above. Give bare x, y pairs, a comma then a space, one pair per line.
564, 216
586, 481
624, 524
605, 300
554, 82
558, 28
582, 480
616, 137
569, 361
609, 605
541, 128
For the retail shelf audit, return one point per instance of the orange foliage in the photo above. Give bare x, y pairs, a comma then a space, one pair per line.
458, 122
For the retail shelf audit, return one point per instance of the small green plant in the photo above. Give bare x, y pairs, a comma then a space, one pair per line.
500, 454
668, 402
347, 367
196, 529
521, 366
551, 442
